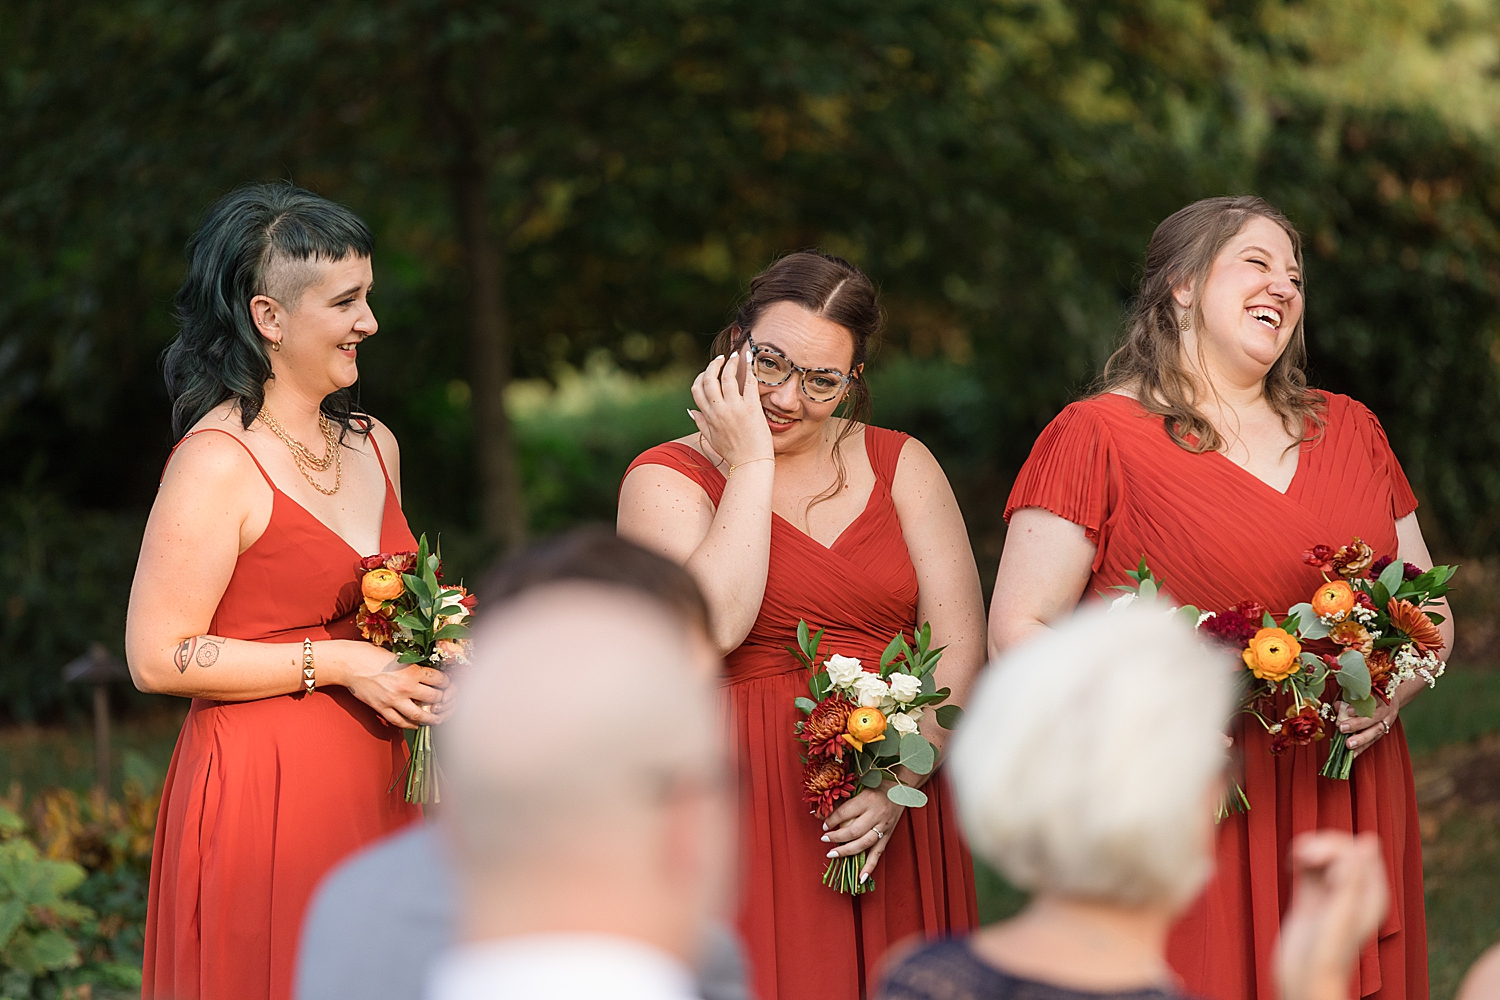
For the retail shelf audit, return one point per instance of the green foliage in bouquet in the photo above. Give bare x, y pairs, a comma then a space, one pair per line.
850, 720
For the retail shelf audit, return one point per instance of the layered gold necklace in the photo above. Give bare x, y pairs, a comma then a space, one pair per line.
304, 457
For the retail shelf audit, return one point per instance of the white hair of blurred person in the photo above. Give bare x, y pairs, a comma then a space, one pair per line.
1088, 759
586, 779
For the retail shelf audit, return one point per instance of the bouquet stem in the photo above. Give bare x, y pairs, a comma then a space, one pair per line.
421, 769
843, 874
1340, 759
1234, 800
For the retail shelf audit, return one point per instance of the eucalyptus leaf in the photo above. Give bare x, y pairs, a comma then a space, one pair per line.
949, 716
917, 754
929, 684
1354, 675
1310, 626
806, 704
1363, 707
905, 795
887, 747
1147, 590
872, 779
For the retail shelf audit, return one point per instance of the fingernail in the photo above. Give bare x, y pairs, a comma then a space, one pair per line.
833, 854
826, 840
719, 358
825, 826
864, 877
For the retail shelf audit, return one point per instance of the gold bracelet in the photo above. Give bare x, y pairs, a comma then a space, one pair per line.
742, 464
309, 676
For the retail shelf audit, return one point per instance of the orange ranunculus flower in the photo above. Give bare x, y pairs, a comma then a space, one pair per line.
865, 725
381, 585
1272, 655
1335, 599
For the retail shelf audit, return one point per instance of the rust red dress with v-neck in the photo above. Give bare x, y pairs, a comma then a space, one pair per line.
264, 797
805, 940
1217, 535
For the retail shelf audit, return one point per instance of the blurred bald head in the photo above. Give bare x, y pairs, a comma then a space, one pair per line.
581, 697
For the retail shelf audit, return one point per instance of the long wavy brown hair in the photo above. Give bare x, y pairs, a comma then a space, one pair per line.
836, 290
1150, 363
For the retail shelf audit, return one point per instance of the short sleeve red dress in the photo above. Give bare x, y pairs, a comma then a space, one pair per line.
806, 941
264, 797
1218, 535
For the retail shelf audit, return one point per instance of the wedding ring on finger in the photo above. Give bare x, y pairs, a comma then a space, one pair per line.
878, 834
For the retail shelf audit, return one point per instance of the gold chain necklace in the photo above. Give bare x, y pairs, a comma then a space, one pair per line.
304, 457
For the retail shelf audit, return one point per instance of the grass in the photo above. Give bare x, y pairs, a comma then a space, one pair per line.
1461, 864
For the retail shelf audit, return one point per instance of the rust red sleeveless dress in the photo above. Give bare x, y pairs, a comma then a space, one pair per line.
805, 940
1218, 535
264, 797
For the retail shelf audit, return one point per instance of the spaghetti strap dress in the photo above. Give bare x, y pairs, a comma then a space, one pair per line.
1217, 535
264, 797
804, 940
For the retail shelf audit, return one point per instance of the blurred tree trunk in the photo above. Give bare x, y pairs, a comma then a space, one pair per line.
502, 513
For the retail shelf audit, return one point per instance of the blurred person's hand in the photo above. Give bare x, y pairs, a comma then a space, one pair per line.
729, 413
863, 823
1339, 897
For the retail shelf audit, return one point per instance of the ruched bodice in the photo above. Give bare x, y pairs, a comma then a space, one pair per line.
263, 797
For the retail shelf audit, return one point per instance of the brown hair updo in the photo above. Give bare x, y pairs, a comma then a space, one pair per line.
1150, 364
834, 289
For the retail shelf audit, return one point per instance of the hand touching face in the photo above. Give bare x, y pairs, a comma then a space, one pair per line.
808, 341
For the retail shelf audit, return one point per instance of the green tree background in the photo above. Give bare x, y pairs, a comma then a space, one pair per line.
568, 197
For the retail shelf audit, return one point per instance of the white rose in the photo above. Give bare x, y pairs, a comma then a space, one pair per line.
870, 690
843, 671
904, 687
904, 723
1124, 601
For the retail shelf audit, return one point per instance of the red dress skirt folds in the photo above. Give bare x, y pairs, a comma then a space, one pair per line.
264, 797
1217, 535
804, 939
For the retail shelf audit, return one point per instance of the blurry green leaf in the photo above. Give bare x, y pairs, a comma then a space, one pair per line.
949, 716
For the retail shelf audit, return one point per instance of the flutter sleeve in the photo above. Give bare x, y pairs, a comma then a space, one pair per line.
1070, 472
1403, 500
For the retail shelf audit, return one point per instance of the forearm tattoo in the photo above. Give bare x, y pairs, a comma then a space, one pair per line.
200, 649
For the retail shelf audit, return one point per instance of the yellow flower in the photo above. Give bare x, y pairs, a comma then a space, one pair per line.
380, 585
1272, 655
865, 725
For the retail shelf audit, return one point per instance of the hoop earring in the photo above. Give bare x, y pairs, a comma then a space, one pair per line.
1185, 323
276, 344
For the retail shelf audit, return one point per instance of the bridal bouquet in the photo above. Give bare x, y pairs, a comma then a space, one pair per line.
410, 611
1364, 630
861, 724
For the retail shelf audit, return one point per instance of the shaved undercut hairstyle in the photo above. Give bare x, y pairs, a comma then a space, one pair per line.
260, 239
596, 555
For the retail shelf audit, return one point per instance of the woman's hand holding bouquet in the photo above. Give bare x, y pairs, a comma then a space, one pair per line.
863, 735
409, 610
1368, 617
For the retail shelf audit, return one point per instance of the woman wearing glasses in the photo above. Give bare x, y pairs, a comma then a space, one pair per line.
783, 511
